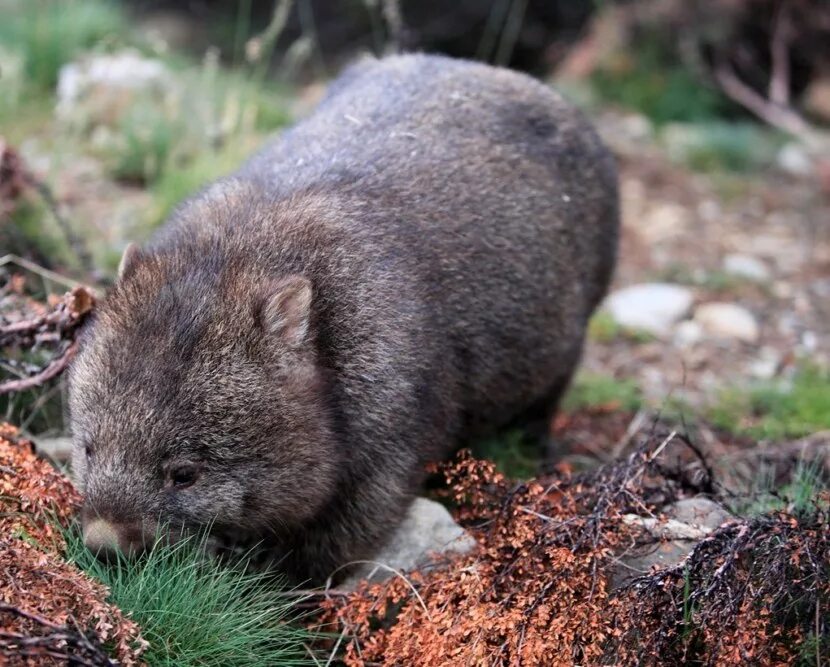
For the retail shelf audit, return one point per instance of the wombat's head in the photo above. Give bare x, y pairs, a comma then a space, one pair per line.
197, 401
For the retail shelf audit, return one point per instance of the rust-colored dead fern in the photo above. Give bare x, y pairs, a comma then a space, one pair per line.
538, 590
50, 612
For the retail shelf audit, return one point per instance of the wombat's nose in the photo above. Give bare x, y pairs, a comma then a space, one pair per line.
101, 538
107, 540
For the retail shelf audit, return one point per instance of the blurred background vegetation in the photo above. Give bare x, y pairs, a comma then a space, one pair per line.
113, 112
191, 87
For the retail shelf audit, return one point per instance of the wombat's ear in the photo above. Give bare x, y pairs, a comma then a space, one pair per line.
287, 309
128, 260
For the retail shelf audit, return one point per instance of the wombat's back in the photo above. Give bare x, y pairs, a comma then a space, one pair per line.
488, 198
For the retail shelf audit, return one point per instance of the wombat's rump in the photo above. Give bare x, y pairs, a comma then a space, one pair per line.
414, 263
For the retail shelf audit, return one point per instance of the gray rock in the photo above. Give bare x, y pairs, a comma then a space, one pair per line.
793, 159
651, 307
746, 266
57, 449
428, 529
766, 366
699, 512
687, 334
728, 320
99, 90
686, 522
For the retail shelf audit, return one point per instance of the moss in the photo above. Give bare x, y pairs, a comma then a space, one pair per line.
718, 146
33, 231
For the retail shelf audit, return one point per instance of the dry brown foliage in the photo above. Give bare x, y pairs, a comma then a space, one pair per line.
37, 328
50, 612
537, 591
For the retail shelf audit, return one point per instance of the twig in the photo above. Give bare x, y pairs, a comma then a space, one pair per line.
40, 620
782, 117
383, 566
39, 270
632, 430
779, 82
61, 643
52, 370
391, 10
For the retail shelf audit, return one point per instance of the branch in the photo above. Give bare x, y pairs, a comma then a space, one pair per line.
61, 642
52, 370
779, 83
60, 326
784, 118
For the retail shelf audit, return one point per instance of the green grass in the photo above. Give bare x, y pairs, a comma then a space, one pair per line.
49, 33
174, 185
649, 79
197, 612
800, 496
775, 410
591, 390
213, 118
718, 145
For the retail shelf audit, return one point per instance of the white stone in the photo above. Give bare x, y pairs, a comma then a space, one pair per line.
428, 529
698, 512
686, 522
793, 159
766, 365
651, 307
746, 266
728, 320
99, 89
59, 449
687, 334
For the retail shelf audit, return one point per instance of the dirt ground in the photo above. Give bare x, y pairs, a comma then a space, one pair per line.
678, 226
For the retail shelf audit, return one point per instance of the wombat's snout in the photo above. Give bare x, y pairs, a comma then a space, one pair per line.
106, 540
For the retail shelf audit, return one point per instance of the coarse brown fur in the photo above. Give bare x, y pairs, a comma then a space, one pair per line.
414, 263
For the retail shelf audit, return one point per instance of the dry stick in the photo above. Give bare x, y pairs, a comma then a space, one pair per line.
39, 270
40, 646
633, 429
782, 117
383, 566
55, 368
391, 11
779, 83
40, 620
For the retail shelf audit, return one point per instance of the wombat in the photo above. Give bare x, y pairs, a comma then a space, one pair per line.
410, 266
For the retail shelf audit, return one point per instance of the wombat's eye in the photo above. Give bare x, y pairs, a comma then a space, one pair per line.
88, 450
184, 475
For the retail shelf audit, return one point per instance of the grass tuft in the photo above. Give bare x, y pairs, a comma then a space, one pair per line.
603, 328
591, 390
515, 454
197, 611
775, 410
50, 33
